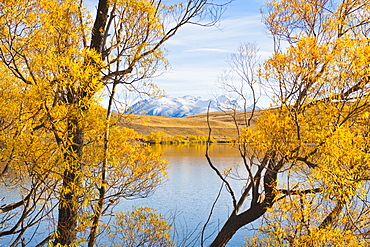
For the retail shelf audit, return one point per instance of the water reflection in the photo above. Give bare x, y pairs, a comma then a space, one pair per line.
192, 187
196, 150
189, 193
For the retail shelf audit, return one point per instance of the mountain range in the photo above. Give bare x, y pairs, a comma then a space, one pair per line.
184, 106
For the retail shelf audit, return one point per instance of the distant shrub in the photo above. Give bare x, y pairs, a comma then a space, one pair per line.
161, 138
156, 137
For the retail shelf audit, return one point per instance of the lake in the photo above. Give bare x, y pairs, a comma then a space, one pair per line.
186, 197
191, 189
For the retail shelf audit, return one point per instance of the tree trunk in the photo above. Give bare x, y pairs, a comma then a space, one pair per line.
226, 233
67, 216
68, 202
99, 26
102, 189
235, 222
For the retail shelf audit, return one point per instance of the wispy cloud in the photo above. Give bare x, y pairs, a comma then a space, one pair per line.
208, 50
198, 55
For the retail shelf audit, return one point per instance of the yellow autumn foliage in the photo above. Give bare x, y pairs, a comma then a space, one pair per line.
59, 150
320, 127
141, 226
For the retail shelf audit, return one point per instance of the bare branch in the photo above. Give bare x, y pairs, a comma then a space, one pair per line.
228, 186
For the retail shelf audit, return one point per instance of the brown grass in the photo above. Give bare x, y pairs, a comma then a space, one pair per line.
222, 124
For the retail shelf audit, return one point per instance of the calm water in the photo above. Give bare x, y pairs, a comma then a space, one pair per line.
187, 195
191, 188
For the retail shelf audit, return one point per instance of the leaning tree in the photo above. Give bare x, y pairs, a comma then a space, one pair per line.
306, 158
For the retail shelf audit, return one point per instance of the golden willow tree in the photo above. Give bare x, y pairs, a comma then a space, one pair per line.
62, 156
307, 159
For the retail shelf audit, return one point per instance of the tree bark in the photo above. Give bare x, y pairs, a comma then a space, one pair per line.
226, 233
68, 205
257, 209
67, 214
99, 26
97, 44
235, 222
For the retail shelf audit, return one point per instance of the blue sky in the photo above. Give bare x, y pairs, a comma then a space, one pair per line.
198, 55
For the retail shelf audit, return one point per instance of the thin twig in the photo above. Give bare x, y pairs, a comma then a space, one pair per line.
210, 215
228, 186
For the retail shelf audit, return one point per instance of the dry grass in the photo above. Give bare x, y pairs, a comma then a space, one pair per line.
222, 124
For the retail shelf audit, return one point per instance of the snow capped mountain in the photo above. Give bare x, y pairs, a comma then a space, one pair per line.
182, 106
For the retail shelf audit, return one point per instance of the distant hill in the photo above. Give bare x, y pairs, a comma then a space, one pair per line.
222, 124
183, 106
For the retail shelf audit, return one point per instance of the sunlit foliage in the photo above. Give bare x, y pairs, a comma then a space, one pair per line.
307, 157
61, 154
160, 137
140, 227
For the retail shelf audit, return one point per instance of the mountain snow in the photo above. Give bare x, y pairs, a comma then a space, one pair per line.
183, 106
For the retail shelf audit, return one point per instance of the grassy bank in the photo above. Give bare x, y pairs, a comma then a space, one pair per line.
157, 129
